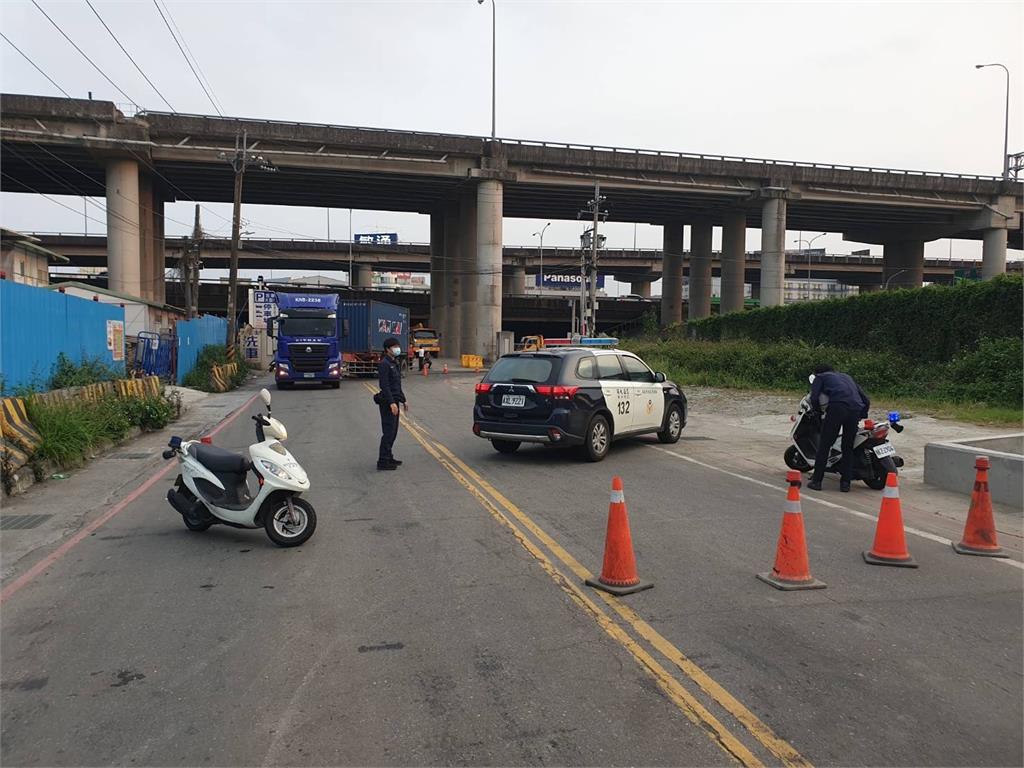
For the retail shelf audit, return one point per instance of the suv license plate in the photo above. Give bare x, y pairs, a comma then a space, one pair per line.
883, 450
309, 375
513, 401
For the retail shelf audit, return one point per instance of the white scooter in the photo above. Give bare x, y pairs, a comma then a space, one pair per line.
213, 488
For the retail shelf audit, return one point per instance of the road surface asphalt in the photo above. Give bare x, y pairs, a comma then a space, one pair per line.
439, 617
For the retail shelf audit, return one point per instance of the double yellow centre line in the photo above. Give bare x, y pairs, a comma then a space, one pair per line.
508, 514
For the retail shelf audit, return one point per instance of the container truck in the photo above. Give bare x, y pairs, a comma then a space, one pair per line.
364, 325
308, 345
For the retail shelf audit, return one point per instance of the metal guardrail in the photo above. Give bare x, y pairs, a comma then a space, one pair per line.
589, 147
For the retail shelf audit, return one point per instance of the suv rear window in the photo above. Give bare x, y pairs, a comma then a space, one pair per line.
527, 370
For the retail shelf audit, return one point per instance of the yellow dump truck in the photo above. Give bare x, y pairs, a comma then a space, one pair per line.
426, 339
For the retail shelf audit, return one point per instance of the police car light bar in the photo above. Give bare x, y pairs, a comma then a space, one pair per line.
598, 342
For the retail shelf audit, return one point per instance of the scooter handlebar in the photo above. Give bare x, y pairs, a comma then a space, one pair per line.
169, 453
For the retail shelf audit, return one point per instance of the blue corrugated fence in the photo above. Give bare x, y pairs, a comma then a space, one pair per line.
37, 324
195, 334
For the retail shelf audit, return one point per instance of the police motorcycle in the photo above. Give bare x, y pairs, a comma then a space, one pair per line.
874, 457
213, 487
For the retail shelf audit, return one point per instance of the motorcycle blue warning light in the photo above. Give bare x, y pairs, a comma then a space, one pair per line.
894, 416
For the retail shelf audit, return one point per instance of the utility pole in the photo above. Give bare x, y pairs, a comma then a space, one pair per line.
588, 276
190, 269
240, 160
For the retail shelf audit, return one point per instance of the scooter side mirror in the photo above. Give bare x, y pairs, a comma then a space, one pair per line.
265, 397
810, 379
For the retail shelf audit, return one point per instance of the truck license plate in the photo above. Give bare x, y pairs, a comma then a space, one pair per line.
513, 401
309, 375
883, 450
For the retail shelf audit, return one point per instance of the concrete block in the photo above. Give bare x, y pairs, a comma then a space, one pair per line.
950, 465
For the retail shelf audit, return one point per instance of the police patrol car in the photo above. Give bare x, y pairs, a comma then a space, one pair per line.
575, 396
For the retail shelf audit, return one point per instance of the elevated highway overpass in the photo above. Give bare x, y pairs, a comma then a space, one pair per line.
639, 267
467, 184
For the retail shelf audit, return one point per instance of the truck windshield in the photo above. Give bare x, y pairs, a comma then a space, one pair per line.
308, 326
424, 334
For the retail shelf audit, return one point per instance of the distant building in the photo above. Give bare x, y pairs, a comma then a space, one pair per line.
23, 260
816, 290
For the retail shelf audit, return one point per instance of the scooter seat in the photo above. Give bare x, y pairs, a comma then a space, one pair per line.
218, 460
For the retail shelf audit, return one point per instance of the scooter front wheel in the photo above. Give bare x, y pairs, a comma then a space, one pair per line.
794, 460
287, 530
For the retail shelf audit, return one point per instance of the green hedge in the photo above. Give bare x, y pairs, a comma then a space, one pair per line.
936, 323
992, 374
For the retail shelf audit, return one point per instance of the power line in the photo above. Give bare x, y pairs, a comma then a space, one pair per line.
195, 59
57, 27
25, 56
187, 61
129, 55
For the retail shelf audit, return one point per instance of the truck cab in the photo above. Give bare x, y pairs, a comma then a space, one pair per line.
308, 342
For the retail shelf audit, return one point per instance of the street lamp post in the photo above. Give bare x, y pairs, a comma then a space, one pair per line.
494, 64
808, 243
1006, 127
894, 274
541, 235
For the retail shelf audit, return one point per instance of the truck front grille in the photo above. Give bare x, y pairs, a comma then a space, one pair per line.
307, 358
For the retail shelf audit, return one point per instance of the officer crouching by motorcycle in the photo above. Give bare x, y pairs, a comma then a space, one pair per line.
847, 405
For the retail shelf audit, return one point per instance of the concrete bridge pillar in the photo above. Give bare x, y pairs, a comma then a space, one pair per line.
700, 271
773, 247
468, 272
438, 297
490, 209
363, 277
640, 288
451, 342
124, 231
734, 261
151, 240
515, 285
903, 264
672, 274
993, 253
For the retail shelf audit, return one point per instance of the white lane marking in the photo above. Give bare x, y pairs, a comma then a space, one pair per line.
815, 500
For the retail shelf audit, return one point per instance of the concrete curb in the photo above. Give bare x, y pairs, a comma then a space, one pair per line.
950, 465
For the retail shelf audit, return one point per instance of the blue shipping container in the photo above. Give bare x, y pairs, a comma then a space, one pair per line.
37, 325
365, 325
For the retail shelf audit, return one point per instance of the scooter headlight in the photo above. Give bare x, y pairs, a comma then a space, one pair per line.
275, 470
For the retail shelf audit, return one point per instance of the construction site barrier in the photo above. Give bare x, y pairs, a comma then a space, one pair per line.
221, 375
472, 361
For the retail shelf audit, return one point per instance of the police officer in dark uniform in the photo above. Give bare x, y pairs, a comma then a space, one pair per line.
389, 399
847, 405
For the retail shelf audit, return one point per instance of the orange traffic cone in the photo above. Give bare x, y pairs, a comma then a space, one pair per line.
445, 371
618, 574
890, 547
980, 530
791, 570
426, 370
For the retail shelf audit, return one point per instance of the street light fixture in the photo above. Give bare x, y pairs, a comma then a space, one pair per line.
809, 242
541, 235
494, 60
894, 274
1006, 127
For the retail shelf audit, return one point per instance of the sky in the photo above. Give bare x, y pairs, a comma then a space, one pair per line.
886, 84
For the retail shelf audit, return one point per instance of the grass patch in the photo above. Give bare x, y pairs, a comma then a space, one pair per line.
201, 375
984, 385
72, 430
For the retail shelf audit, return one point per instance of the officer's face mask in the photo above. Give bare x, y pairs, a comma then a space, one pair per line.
396, 351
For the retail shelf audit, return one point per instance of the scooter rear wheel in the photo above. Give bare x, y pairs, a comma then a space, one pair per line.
281, 530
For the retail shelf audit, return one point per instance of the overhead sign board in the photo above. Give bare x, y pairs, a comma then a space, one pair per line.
262, 306
377, 238
565, 282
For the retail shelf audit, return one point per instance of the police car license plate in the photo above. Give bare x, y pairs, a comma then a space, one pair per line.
513, 401
883, 450
309, 375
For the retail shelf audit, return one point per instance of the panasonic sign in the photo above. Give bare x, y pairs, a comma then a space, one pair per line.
565, 282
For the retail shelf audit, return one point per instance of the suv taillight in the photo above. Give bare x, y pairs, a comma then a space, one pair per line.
483, 388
